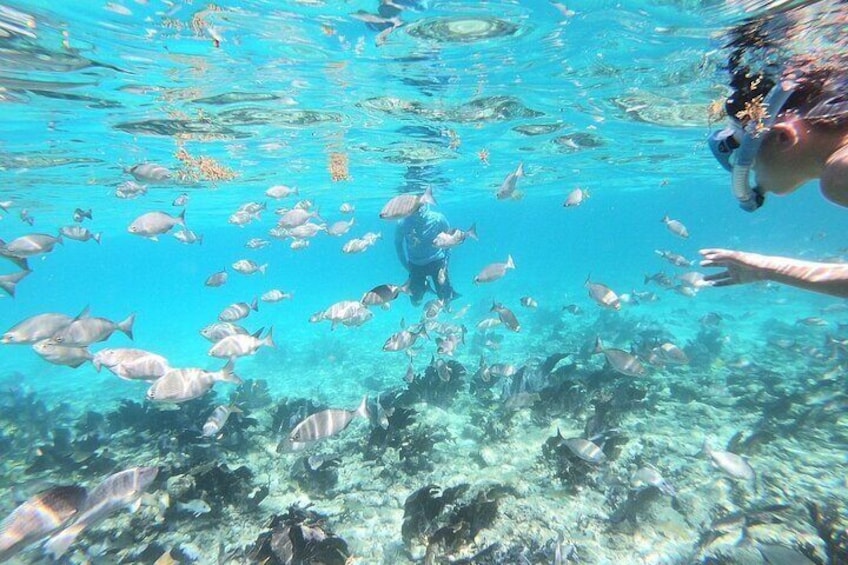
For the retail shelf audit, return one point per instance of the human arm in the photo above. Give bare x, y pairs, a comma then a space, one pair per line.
742, 267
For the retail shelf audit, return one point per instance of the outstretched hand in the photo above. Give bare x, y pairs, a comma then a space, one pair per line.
740, 267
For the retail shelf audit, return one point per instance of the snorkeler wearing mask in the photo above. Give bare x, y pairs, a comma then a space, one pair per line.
414, 244
786, 129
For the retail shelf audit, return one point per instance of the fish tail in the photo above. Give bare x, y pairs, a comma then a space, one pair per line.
665, 219
181, 218
427, 197
599, 347
363, 408
269, 338
255, 304
519, 172
705, 448
87, 214
58, 545
472, 232
200, 240
263, 268
96, 237
127, 325
510, 264
227, 374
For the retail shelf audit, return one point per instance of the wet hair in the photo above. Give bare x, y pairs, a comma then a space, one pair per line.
760, 55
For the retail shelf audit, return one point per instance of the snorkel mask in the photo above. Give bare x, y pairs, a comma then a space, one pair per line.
736, 147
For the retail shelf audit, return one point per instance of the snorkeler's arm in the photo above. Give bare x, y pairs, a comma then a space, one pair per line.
401, 253
742, 267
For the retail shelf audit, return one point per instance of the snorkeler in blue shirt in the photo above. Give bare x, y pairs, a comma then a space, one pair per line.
416, 252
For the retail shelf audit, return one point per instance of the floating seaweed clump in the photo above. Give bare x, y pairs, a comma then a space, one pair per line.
439, 384
446, 522
298, 537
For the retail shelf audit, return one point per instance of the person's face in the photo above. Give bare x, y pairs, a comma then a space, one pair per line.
785, 161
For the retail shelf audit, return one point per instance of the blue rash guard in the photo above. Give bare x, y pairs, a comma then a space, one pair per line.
418, 232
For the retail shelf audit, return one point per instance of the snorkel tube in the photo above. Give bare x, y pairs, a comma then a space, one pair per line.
750, 199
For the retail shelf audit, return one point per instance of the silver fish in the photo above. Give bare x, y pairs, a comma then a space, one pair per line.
383, 294
275, 295
674, 258
510, 183
238, 311
253, 207
347, 312
494, 271
180, 200
306, 230
248, 267
131, 364
32, 245
181, 385
295, 217
345, 208
257, 243
79, 233
603, 295
62, 355
115, 492
506, 316
326, 423
220, 330
584, 449
405, 205
240, 345
153, 224
280, 191
575, 198
188, 237
449, 239
196, 507
340, 228
358, 245
669, 354
447, 345
218, 419
38, 327
217, 279
620, 361
129, 190
649, 477
529, 302
149, 172
242, 218
10, 282
299, 244
88, 330
488, 323
733, 465
676, 227
38, 517
80, 215
405, 338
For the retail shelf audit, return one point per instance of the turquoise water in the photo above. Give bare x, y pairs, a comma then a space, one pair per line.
93, 89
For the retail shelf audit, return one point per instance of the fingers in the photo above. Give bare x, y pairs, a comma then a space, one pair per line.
717, 276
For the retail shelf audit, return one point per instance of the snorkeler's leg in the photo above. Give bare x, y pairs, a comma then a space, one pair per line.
417, 283
441, 281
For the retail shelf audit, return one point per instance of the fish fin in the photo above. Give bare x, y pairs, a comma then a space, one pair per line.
263, 268
258, 332
83, 314
96, 237
127, 325
665, 219
510, 264
181, 217
153, 238
519, 172
255, 304
385, 305
599, 347
135, 506
227, 374
269, 338
58, 544
472, 232
427, 197
363, 408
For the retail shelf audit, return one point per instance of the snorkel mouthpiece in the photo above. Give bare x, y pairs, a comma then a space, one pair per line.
750, 199
722, 144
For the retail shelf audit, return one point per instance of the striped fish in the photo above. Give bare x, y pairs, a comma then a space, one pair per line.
38, 517
405, 205
326, 423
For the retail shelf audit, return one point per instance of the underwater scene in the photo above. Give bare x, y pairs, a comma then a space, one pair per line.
422, 281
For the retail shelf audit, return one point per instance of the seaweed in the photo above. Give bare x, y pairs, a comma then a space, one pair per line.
216, 481
251, 395
448, 521
833, 533
300, 536
705, 349
413, 442
432, 389
316, 475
